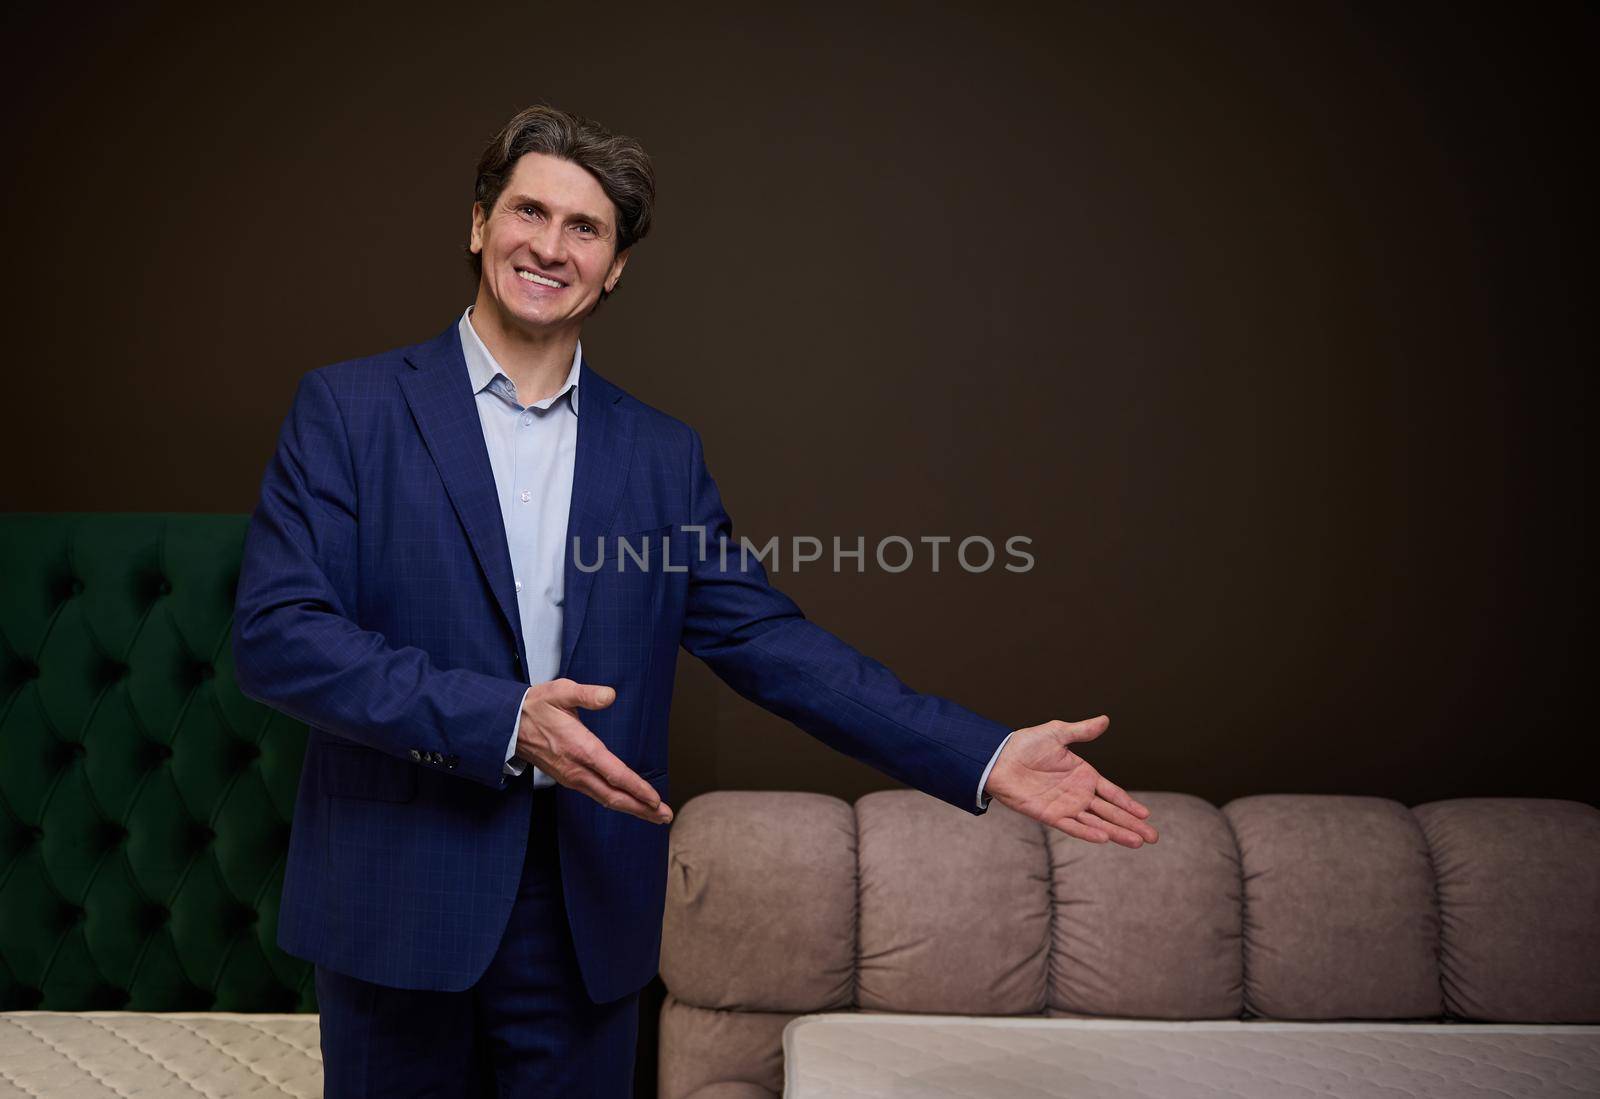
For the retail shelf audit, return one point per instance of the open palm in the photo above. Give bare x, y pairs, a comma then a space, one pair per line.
1040, 776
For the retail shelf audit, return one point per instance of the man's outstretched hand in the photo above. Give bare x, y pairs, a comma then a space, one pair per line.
551, 737
1039, 776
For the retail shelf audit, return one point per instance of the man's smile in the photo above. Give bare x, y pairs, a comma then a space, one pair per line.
537, 279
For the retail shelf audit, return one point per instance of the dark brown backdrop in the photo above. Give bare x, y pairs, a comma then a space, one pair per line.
1261, 324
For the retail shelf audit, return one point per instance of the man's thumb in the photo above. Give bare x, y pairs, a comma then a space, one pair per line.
1087, 729
597, 698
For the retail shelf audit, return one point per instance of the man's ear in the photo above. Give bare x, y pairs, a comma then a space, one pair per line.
475, 235
617, 264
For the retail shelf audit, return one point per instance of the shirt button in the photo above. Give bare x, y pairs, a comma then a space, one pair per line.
526, 496
519, 585
527, 418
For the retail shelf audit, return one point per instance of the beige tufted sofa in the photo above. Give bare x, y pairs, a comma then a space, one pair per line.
1283, 907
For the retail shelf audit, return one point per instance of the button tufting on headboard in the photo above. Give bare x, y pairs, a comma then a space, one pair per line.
144, 802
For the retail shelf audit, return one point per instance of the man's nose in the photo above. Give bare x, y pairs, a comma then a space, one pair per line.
549, 244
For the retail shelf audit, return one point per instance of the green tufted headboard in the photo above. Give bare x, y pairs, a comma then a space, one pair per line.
144, 802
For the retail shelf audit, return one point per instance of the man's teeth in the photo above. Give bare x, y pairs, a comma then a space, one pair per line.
540, 279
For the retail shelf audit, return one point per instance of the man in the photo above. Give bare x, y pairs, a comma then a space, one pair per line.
477, 871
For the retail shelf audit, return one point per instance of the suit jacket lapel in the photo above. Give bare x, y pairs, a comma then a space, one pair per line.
439, 391
605, 449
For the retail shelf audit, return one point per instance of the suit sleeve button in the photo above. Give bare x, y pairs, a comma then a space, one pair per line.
416, 755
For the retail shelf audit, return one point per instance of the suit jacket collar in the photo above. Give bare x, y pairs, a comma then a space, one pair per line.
439, 391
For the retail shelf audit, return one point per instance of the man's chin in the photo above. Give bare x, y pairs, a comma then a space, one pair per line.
520, 311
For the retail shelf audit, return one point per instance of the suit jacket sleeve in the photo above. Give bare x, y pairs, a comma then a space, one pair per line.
757, 640
296, 645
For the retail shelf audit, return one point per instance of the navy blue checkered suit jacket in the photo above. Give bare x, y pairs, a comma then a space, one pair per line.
376, 604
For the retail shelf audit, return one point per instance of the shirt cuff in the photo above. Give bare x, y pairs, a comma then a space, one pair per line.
517, 766
983, 779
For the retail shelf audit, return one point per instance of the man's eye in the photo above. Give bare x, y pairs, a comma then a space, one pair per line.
526, 207
589, 228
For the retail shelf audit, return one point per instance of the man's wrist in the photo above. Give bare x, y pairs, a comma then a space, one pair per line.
515, 766
983, 780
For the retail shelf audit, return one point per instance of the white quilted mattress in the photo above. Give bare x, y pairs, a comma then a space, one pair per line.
845, 1054
130, 1053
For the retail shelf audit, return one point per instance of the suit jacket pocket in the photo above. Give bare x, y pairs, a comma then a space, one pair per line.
637, 536
355, 771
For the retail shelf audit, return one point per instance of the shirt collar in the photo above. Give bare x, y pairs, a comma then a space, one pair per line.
483, 369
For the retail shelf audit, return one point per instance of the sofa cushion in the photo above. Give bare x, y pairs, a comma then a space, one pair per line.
698, 1044
779, 935
1152, 932
1519, 884
1340, 916
955, 909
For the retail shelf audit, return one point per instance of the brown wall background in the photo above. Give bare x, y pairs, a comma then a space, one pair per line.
1261, 322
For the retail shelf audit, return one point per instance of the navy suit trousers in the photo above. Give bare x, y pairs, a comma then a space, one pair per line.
526, 1029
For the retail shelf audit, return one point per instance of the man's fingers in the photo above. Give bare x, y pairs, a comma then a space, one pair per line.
565, 749
1078, 831
590, 783
1127, 837
1116, 804
619, 778
1116, 814
1116, 795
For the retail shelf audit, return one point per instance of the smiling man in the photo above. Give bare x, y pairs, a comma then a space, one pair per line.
477, 865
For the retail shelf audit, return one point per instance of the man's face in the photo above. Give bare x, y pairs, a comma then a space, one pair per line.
554, 221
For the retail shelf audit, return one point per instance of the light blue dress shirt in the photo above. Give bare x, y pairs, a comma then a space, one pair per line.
532, 450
